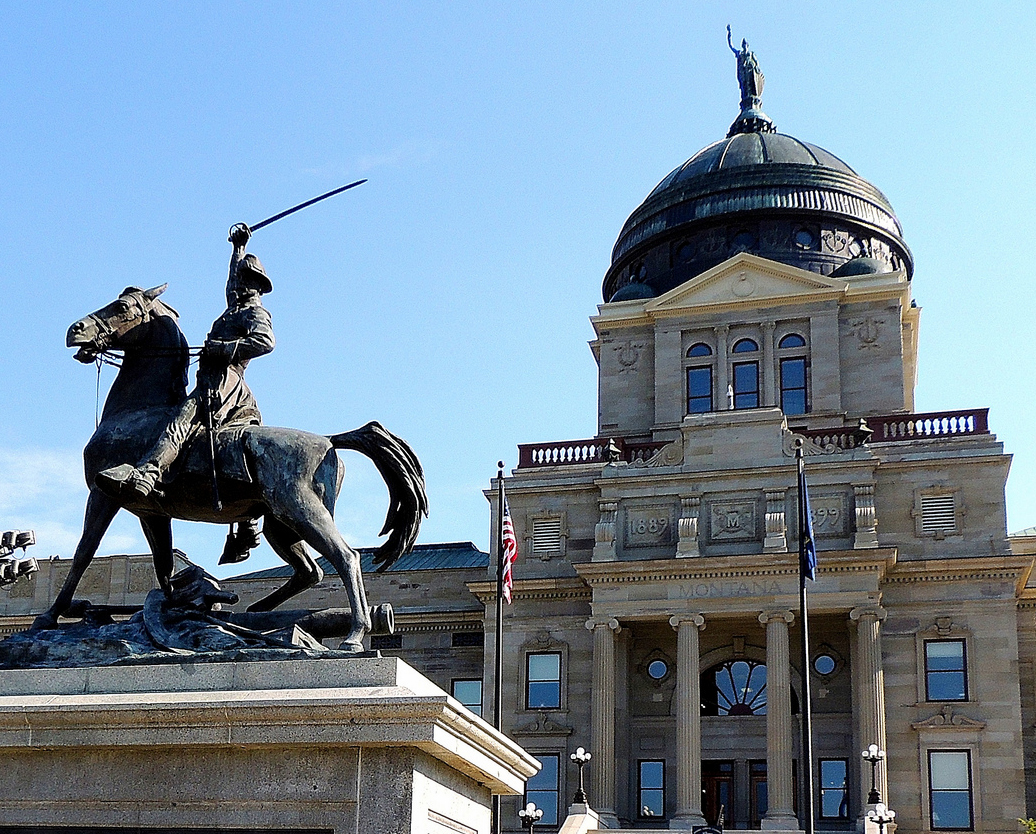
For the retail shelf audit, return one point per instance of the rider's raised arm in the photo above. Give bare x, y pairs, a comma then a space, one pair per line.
239, 235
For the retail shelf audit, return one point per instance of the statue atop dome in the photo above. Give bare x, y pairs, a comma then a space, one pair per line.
751, 80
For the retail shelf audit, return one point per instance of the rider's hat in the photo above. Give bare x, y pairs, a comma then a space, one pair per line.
251, 273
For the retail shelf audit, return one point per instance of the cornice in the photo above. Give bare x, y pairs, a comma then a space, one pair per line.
430, 621
564, 588
755, 566
1009, 568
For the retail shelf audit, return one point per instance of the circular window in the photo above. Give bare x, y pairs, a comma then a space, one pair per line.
805, 239
824, 664
658, 669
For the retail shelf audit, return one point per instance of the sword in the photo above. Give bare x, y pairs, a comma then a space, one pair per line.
217, 505
301, 206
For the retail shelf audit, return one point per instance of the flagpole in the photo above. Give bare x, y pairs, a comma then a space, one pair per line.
805, 708
498, 666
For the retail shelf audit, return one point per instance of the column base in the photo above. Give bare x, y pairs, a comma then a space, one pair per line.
782, 822
687, 822
607, 818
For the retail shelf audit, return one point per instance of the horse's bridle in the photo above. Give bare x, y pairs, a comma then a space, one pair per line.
106, 333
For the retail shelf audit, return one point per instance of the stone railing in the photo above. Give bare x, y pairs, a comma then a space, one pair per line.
889, 429
593, 450
897, 427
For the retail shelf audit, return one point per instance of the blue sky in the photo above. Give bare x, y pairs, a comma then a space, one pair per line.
505, 145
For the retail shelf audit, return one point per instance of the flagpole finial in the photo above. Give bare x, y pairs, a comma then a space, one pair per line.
499, 464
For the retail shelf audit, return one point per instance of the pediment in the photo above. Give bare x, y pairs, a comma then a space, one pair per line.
746, 280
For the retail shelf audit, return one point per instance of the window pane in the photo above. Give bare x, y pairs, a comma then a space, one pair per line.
544, 667
944, 654
792, 340
949, 771
745, 346
699, 390
946, 686
651, 774
746, 385
700, 349
832, 773
469, 693
651, 803
793, 373
543, 789
544, 695
951, 809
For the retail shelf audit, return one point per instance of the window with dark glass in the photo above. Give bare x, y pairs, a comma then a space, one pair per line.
834, 791
543, 680
699, 390
793, 385
651, 788
949, 790
792, 340
745, 346
945, 670
386, 641
759, 796
735, 688
746, 384
469, 692
717, 779
700, 349
545, 787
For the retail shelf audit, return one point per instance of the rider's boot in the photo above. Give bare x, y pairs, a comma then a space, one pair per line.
123, 479
240, 542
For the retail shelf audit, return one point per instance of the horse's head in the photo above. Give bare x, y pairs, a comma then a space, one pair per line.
115, 325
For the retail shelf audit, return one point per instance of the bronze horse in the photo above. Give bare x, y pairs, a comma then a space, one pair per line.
290, 477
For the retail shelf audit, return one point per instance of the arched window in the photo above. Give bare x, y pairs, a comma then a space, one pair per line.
700, 380
737, 687
793, 365
745, 346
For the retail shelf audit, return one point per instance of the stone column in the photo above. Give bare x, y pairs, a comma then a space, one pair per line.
688, 721
602, 720
769, 386
780, 815
722, 379
870, 693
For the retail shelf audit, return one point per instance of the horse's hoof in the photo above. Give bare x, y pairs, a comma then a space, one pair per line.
44, 621
351, 646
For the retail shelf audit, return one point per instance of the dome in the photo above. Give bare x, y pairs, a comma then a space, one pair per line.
756, 191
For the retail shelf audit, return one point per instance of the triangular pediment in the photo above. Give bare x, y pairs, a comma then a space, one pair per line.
746, 280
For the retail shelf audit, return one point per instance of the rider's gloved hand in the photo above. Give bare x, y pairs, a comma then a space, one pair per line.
239, 234
218, 350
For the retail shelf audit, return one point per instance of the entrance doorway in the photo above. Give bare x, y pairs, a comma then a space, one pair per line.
718, 792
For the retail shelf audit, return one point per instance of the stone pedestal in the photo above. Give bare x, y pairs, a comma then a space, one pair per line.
357, 745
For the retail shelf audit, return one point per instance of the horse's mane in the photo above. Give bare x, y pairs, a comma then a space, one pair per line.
170, 311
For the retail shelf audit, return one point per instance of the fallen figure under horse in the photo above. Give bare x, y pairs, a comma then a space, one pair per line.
289, 478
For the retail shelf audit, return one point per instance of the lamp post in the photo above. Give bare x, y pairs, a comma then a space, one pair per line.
580, 757
530, 815
881, 816
873, 755
12, 568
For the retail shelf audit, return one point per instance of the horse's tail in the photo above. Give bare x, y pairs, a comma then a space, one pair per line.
404, 478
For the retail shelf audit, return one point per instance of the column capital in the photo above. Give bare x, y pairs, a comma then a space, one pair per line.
777, 614
722, 329
610, 622
678, 620
768, 327
875, 611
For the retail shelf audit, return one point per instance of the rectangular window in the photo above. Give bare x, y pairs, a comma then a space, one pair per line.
651, 788
834, 793
759, 796
793, 385
386, 641
469, 692
746, 385
949, 790
544, 788
543, 680
945, 670
699, 390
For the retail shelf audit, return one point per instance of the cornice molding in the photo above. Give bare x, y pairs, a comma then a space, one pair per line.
534, 589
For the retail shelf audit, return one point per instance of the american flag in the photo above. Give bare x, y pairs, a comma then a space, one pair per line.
509, 545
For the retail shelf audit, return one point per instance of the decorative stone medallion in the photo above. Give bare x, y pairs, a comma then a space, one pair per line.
732, 521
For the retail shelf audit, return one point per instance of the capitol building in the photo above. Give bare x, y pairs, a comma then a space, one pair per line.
759, 301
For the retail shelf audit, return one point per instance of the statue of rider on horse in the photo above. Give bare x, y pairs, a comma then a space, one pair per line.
163, 453
221, 399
